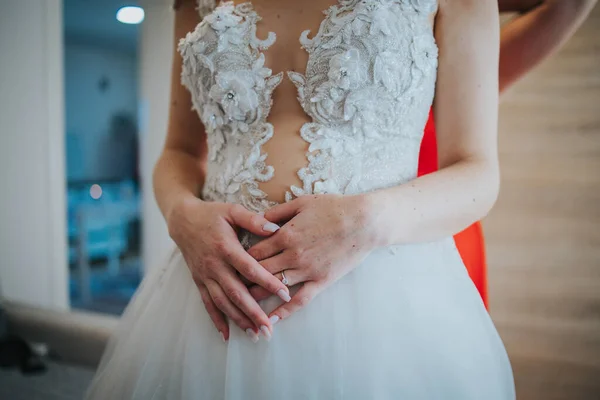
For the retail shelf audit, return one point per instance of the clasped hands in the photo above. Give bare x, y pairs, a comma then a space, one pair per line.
313, 240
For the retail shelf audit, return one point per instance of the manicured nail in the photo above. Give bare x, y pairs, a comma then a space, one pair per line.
283, 295
261, 213
223, 337
270, 227
253, 336
266, 332
274, 319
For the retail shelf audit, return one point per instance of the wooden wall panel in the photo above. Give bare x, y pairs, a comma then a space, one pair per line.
543, 236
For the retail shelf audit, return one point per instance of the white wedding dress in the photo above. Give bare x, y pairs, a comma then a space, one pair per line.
407, 323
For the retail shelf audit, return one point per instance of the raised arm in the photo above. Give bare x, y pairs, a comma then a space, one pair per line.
539, 30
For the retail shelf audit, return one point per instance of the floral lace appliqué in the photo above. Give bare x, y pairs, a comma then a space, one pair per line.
367, 89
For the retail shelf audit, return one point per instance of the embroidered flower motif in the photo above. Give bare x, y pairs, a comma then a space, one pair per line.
227, 25
422, 6
216, 141
383, 21
366, 6
351, 3
370, 17
235, 93
212, 117
367, 89
392, 71
346, 71
327, 103
205, 7
424, 53
327, 186
371, 107
357, 27
259, 72
223, 17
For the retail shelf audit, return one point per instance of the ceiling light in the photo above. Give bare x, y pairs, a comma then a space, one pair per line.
130, 15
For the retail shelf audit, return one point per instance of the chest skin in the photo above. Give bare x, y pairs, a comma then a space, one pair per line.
365, 67
288, 19
287, 150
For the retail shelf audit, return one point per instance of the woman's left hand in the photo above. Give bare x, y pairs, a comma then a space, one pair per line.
323, 238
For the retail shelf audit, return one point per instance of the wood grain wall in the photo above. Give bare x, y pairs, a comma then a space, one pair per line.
543, 236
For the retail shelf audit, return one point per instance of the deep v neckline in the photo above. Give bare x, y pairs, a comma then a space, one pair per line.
333, 8
319, 158
371, 66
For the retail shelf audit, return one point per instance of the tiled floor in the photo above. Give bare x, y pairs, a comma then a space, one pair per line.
60, 382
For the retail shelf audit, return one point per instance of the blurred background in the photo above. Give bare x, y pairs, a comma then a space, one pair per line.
83, 114
101, 151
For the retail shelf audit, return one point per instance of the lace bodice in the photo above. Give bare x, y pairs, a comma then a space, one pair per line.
368, 86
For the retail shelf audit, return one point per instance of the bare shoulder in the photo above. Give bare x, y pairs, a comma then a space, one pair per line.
466, 98
185, 131
463, 6
456, 13
186, 17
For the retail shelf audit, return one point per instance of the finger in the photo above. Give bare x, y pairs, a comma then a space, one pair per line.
252, 222
285, 211
223, 303
294, 277
254, 272
239, 295
245, 281
301, 299
259, 293
267, 248
278, 263
216, 315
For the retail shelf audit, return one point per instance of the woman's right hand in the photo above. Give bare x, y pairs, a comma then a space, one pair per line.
206, 235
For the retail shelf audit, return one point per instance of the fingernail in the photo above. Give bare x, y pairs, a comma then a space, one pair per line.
283, 295
253, 336
261, 213
266, 332
270, 227
223, 337
274, 319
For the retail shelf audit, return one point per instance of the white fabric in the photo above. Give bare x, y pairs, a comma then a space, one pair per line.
407, 323
368, 87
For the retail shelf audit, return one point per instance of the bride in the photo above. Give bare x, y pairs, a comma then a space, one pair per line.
288, 181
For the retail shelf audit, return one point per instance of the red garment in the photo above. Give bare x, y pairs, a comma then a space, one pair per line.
470, 243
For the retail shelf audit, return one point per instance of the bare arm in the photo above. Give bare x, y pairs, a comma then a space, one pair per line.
180, 170
205, 232
466, 113
539, 31
329, 235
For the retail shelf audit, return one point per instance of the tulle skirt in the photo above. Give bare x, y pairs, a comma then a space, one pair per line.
408, 323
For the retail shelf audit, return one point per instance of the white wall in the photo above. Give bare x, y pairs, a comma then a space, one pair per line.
156, 47
32, 187
89, 110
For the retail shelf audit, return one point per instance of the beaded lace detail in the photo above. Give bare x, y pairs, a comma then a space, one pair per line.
367, 89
